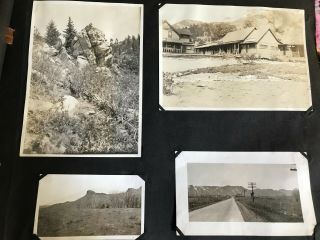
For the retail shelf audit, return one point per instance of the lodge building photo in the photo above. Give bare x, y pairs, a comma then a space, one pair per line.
251, 41
176, 40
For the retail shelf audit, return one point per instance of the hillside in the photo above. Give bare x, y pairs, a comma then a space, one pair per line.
187, 23
286, 26
92, 200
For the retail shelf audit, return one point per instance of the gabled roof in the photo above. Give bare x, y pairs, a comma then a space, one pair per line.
184, 31
258, 34
172, 28
236, 36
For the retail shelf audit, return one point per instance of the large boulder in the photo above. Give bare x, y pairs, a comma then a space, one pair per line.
67, 104
64, 56
91, 43
82, 61
81, 46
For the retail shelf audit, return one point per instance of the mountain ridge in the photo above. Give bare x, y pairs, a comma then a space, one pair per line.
131, 198
237, 190
277, 21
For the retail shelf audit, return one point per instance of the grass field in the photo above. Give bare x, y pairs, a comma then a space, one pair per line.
55, 222
203, 201
271, 209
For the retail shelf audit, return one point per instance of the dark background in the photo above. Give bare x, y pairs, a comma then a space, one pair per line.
162, 132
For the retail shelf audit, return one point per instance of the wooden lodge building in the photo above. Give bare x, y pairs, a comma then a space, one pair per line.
260, 43
176, 40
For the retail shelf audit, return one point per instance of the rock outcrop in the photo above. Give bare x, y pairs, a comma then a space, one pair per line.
92, 45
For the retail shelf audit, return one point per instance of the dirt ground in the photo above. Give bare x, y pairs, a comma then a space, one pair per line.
255, 85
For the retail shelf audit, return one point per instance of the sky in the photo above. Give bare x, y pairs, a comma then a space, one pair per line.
175, 13
61, 188
114, 20
266, 176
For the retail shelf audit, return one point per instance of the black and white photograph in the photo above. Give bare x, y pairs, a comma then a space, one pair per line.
252, 193
247, 193
232, 58
90, 207
84, 83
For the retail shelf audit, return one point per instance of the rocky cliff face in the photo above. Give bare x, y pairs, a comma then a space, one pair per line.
91, 45
92, 200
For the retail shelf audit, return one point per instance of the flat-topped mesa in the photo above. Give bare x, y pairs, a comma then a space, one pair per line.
90, 192
92, 45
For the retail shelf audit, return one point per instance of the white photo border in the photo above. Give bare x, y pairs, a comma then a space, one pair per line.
161, 102
114, 237
246, 228
26, 105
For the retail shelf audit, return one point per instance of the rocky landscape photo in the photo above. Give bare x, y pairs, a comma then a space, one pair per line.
84, 82
229, 57
75, 212
233, 198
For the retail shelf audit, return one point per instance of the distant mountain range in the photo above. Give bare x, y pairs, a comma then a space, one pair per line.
187, 23
237, 190
92, 200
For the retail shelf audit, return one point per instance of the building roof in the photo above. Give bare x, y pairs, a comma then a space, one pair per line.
173, 29
207, 45
257, 35
243, 36
184, 31
236, 36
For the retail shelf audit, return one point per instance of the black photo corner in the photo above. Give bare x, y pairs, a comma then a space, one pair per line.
165, 134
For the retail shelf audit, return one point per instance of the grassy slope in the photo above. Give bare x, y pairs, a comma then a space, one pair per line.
56, 222
281, 209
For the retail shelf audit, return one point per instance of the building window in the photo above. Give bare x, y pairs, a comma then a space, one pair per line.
169, 34
262, 46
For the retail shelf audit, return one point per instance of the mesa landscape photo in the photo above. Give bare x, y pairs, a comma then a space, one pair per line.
84, 79
267, 193
227, 57
92, 213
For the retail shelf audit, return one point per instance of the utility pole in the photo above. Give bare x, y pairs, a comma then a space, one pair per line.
252, 185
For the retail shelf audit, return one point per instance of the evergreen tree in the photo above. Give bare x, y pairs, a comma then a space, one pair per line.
133, 42
52, 34
36, 35
69, 34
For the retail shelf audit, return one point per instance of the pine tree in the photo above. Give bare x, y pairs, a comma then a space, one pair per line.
133, 43
69, 34
36, 35
52, 34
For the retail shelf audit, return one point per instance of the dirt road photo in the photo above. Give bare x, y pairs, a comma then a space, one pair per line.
226, 210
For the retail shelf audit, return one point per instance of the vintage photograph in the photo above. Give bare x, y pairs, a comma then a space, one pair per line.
233, 58
84, 85
90, 207
243, 193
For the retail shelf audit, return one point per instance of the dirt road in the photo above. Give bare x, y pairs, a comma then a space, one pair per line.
238, 94
224, 211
